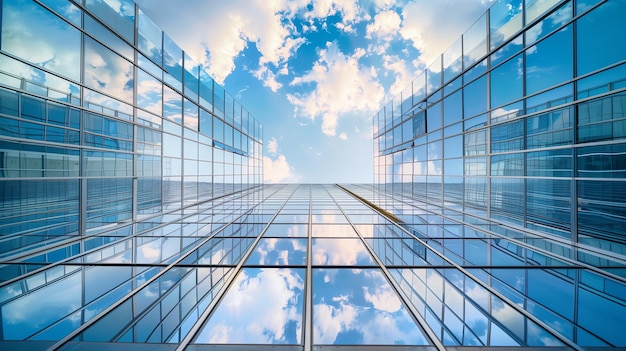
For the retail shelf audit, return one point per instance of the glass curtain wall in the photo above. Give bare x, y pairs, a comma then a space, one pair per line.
525, 127
104, 120
309, 267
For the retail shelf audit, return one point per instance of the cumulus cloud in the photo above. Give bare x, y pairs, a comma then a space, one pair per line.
342, 86
386, 24
343, 136
278, 170
422, 24
233, 25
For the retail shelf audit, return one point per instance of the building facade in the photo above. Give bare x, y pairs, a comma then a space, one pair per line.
133, 214
104, 120
520, 128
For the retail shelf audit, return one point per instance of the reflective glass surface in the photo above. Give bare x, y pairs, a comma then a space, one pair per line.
359, 307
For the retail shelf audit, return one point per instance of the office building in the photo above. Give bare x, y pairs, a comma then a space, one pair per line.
519, 127
133, 213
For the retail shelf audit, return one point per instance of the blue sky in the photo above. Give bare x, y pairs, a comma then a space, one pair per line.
314, 72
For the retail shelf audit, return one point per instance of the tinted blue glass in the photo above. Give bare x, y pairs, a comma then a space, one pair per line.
119, 15
549, 62
241, 319
505, 19
359, 307
602, 316
104, 35
553, 163
28, 27
507, 136
507, 82
550, 129
601, 209
602, 119
605, 161
433, 116
453, 108
549, 204
599, 42
475, 97
507, 196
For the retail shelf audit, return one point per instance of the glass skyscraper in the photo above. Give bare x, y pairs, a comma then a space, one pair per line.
133, 213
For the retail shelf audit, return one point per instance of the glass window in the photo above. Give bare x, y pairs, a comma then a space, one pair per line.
550, 129
535, 8
507, 82
206, 123
547, 25
149, 93
453, 147
475, 41
434, 75
191, 79
607, 161
507, 136
453, 108
433, 117
218, 99
150, 38
191, 115
119, 15
549, 209
105, 36
549, 62
452, 63
172, 105
419, 88
602, 119
362, 292
108, 72
553, 163
601, 82
249, 322
475, 97
36, 35
599, 39
172, 63
505, 19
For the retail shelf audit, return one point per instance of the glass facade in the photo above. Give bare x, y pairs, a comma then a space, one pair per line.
525, 127
518, 131
133, 214
104, 120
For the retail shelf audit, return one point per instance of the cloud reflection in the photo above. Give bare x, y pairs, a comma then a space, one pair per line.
359, 307
241, 319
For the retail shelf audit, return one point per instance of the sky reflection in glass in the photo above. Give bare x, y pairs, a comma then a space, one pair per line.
263, 306
340, 252
274, 251
358, 306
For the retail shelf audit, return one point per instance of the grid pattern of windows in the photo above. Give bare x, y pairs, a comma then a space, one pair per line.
104, 120
526, 123
307, 267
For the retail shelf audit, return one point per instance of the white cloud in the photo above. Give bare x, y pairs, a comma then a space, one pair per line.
223, 29
278, 170
422, 24
342, 86
404, 72
386, 25
343, 136
272, 147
